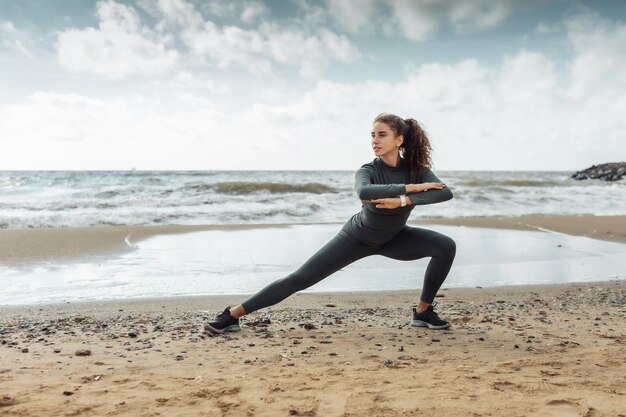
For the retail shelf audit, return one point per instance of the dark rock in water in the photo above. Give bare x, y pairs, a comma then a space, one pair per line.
608, 172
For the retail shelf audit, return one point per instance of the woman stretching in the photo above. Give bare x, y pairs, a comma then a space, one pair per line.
389, 188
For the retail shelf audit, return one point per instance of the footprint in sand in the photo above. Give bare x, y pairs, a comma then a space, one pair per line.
544, 387
6, 401
565, 408
469, 320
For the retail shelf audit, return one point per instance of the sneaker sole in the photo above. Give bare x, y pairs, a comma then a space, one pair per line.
420, 323
231, 328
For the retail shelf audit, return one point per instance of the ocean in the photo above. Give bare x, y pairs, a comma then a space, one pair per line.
98, 198
308, 208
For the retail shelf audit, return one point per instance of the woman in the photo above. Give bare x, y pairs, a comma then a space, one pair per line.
389, 187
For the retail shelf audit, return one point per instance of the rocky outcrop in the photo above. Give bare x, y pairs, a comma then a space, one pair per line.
607, 172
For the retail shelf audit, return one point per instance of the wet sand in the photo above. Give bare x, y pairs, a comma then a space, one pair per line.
23, 246
554, 350
611, 228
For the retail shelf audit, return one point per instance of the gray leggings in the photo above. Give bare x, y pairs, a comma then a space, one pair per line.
410, 244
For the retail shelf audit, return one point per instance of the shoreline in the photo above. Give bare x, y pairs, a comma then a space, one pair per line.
515, 351
18, 246
23, 246
609, 228
106, 309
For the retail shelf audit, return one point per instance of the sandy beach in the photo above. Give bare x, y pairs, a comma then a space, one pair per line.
553, 350
539, 350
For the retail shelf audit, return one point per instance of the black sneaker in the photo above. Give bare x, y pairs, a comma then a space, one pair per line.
428, 319
224, 322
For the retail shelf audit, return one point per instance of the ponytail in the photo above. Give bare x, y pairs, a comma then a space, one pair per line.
416, 147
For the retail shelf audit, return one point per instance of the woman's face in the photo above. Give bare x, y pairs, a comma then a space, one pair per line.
384, 141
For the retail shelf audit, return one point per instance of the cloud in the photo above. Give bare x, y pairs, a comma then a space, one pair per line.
120, 47
177, 13
527, 79
253, 10
477, 15
313, 52
547, 28
219, 8
417, 20
52, 119
246, 10
7, 26
518, 114
354, 16
187, 80
257, 50
15, 39
599, 47
88, 133
526, 111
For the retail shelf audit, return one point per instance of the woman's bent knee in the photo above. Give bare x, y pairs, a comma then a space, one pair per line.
447, 246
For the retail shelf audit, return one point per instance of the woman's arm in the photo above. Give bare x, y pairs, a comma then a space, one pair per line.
368, 191
430, 196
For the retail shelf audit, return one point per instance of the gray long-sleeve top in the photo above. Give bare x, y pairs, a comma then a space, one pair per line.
374, 226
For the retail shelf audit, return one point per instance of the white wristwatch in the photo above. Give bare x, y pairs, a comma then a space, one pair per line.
402, 200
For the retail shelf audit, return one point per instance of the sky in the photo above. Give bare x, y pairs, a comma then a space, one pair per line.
295, 84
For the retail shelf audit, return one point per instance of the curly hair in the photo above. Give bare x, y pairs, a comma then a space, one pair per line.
416, 147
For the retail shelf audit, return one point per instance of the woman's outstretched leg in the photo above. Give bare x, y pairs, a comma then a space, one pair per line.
333, 256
